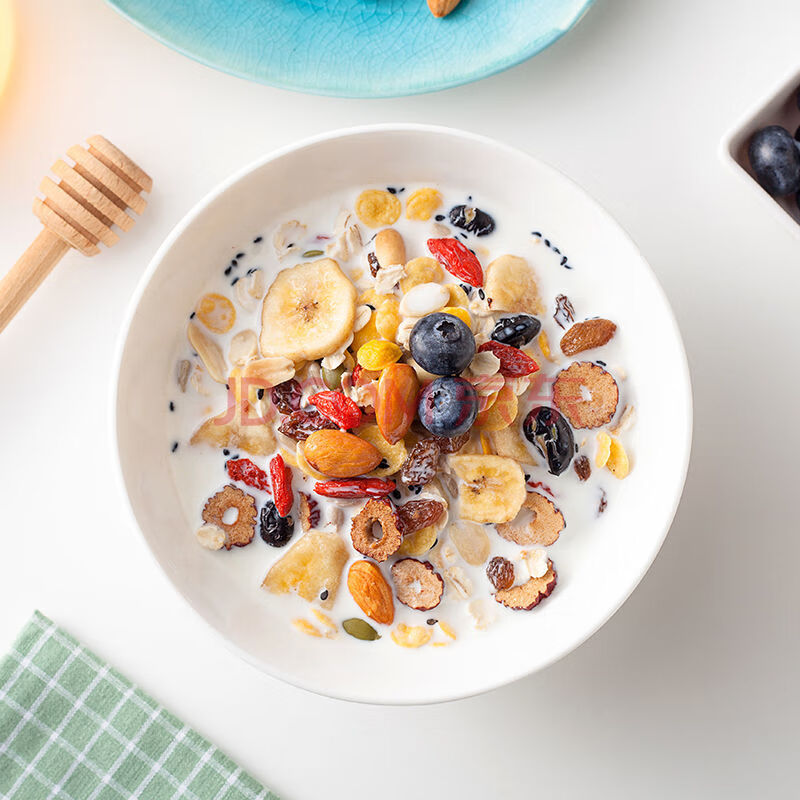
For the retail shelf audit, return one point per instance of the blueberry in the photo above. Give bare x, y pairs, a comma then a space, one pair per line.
516, 331
448, 406
552, 436
775, 160
473, 220
275, 529
442, 344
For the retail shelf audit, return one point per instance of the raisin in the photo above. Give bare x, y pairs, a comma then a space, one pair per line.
500, 572
422, 463
374, 264
299, 425
472, 220
565, 312
275, 529
451, 444
418, 514
582, 467
286, 396
603, 504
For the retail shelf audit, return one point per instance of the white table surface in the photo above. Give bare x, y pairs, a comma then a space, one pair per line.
691, 690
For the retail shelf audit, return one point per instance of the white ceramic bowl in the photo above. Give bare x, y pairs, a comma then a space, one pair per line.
778, 108
603, 568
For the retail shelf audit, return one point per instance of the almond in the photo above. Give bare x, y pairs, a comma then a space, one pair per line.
371, 592
441, 8
587, 335
340, 454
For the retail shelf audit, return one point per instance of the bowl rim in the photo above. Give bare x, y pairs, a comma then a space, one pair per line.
178, 230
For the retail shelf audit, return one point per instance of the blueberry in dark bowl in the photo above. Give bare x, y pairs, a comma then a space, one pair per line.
550, 433
442, 344
775, 159
448, 406
472, 220
516, 331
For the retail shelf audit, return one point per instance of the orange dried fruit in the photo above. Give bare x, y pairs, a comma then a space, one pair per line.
460, 312
618, 462
371, 592
340, 454
216, 312
396, 401
377, 354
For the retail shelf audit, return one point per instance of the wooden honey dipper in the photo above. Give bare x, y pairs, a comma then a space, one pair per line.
78, 212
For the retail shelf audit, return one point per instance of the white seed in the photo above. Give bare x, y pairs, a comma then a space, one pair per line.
363, 313
211, 537
244, 347
209, 352
425, 298
288, 237
484, 363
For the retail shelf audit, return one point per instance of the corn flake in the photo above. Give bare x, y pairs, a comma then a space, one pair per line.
377, 208
422, 203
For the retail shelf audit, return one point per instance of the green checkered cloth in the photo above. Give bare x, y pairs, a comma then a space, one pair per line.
72, 727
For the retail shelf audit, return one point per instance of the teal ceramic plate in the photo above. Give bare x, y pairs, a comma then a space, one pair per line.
356, 48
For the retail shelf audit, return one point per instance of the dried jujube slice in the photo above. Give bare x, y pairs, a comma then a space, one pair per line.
543, 528
383, 512
241, 531
586, 394
416, 584
529, 594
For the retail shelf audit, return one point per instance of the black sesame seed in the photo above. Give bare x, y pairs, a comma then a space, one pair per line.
323, 595
536, 234
469, 198
234, 281
556, 250
396, 494
226, 452
260, 394
228, 270
171, 406
601, 363
440, 217
234, 263
527, 477
391, 190
233, 458
463, 235
258, 239
191, 316
174, 446
384, 464
239, 255
432, 621
370, 307
563, 261
227, 387
547, 243
251, 270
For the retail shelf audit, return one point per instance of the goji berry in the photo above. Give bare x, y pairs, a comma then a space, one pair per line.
337, 407
281, 478
244, 470
355, 488
513, 362
458, 260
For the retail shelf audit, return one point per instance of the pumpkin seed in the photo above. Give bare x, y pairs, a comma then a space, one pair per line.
313, 253
359, 629
184, 368
333, 377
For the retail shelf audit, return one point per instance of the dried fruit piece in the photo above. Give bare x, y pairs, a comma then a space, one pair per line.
529, 594
311, 566
243, 347
513, 362
286, 396
586, 394
383, 512
471, 541
394, 455
543, 526
355, 488
472, 220
276, 528
511, 286
582, 467
552, 436
216, 312
417, 514
492, 488
241, 531
421, 270
423, 202
500, 572
508, 442
411, 635
390, 248
308, 312
371, 592
209, 352
422, 463
337, 407
544, 346
603, 449
211, 537
359, 629
501, 413
299, 425
340, 454
281, 481
618, 461
377, 354
419, 542
458, 260
304, 626
377, 208
396, 401
308, 512
587, 335
244, 470
387, 318
565, 312
417, 585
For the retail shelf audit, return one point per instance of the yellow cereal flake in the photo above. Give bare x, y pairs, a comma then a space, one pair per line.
440, 644
544, 346
324, 619
486, 445
422, 270
422, 203
377, 208
216, 312
366, 334
377, 354
618, 462
419, 542
458, 297
446, 629
372, 298
411, 635
460, 312
603, 449
304, 626
387, 317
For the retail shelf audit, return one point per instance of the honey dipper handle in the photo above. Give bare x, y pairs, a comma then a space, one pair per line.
23, 279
